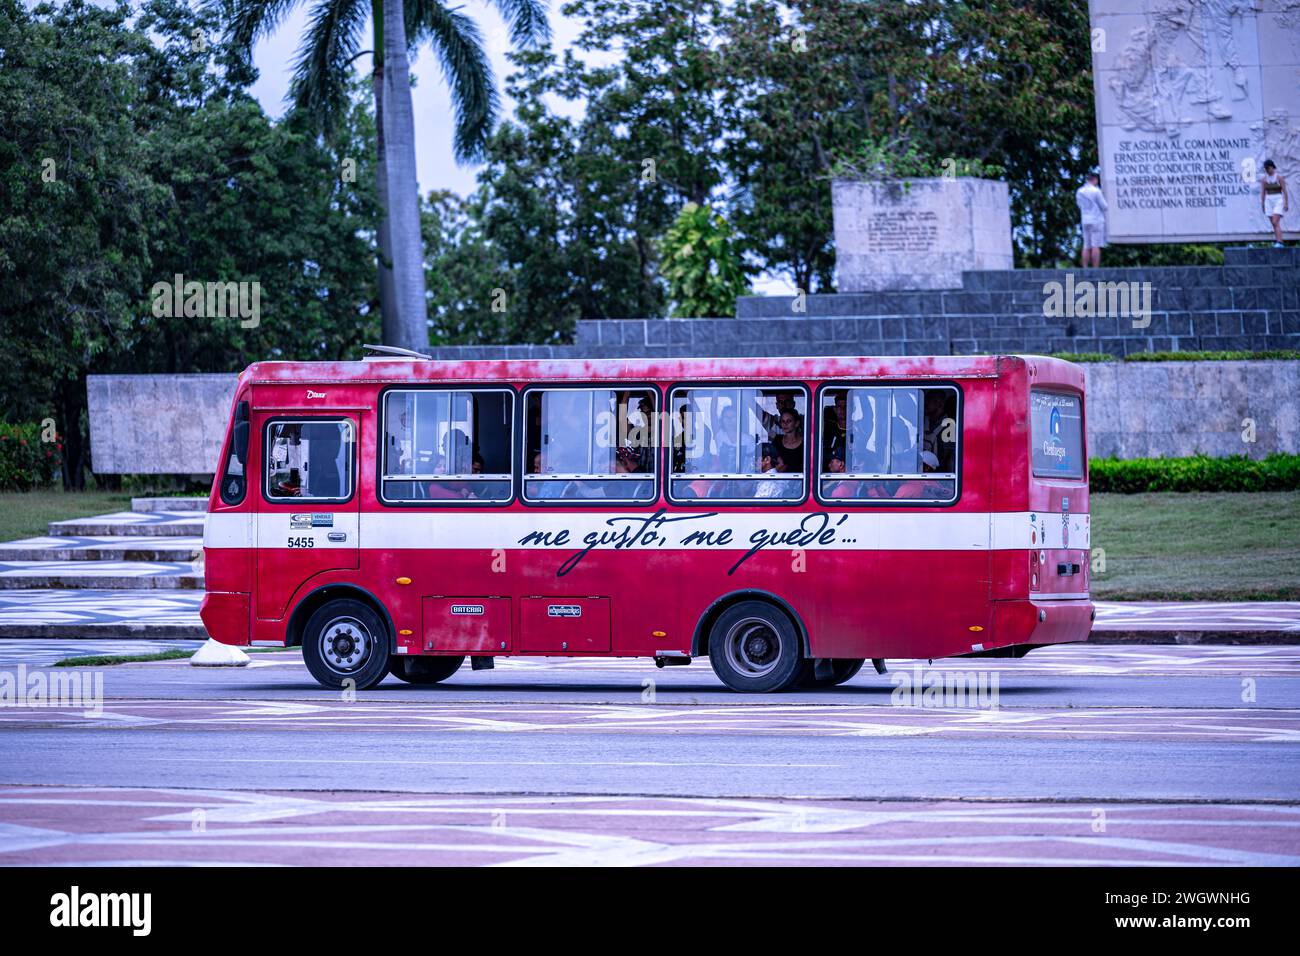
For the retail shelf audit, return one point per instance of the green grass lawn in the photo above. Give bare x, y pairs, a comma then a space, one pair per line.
26, 514
1183, 547
1223, 547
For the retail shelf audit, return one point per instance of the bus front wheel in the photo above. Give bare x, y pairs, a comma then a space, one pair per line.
424, 670
754, 648
346, 641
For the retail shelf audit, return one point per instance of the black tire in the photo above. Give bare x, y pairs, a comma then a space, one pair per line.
424, 670
843, 669
346, 640
755, 649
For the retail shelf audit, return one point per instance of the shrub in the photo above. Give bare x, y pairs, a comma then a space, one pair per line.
1085, 356
1277, 472
26, 461
703, 264
1274, 355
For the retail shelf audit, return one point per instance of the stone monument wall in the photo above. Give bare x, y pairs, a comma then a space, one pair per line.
1192, 96
918, 233
158, 424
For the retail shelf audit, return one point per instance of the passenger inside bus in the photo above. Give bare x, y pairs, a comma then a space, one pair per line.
590, 441
719, 436
889, 431
940, 427
309, 460
772, 463
442, 445
841, 488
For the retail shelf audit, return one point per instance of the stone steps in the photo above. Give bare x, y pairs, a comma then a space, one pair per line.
102, 548
114, 575
178, 524
1251, 302
154, 548
149, 505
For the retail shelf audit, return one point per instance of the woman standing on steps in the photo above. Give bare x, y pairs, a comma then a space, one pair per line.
1274, 198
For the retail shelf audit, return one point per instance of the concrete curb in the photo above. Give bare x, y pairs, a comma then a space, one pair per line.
90, 582
216, 654
1193, 637
103, 632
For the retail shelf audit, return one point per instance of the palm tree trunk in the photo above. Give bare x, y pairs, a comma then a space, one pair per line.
412, 326
387, 294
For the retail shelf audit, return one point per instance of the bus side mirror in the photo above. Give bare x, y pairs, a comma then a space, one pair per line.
241, 433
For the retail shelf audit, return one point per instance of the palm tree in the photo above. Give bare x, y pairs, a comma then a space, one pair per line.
321, 70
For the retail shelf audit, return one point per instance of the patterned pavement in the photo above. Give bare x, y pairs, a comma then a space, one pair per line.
1198, 616
41, 653
1189, 725
181, 609
134, 574
146, 606
105, 826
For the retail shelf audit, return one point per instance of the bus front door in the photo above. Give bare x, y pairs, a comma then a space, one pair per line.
309, 517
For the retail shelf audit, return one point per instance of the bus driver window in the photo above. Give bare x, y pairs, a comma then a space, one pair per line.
309, 459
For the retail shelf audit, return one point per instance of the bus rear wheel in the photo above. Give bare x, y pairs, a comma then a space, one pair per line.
424, 670
346, 641
754, 648
841, 669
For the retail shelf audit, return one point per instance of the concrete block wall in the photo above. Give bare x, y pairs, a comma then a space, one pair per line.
173, 424
167, 424
1250, 303
1172, 409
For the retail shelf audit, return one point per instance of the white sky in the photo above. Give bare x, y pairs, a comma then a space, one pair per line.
435, 166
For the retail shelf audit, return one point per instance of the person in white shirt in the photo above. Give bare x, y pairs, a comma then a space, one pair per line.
1274, 199
768, 464
1092, 215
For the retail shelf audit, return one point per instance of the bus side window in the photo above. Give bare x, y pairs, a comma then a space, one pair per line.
737, 444
590, 443
443, 445
309, 459
889, 442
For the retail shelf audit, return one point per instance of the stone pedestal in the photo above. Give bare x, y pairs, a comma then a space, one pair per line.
918, 233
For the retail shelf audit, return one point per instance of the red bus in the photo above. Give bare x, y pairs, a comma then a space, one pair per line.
790, 518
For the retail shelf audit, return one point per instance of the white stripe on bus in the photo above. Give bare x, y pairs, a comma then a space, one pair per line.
570, 530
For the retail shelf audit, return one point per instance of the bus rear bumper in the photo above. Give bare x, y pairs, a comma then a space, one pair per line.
225, 617
1042, 622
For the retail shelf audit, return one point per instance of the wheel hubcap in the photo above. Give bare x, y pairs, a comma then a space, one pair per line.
345, 644
752, 647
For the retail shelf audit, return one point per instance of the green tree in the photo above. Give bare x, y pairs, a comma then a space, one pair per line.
160, 163
703, 267
321, 72
75, 204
